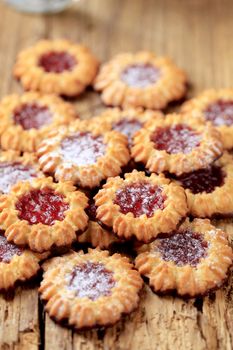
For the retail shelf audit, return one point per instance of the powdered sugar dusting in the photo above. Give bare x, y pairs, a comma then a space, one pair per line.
82, 149
140, 198
183, 248
91, 280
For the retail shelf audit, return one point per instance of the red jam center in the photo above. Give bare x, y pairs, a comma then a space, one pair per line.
183, 248
128, 127
220, 113
41, 206
178, 138
11, 173
140, 75
8, 250
203, 180
91, 280
140, 198
31, 115
82, 148
57, 62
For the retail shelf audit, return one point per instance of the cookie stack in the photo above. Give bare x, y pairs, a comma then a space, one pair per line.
131, 177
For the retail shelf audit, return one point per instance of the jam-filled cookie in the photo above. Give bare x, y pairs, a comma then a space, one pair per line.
209, 190
59, 66
15, 168
215, 106
89, 290
96, 234
141, 206
176, 144
43, 214
127, 121
84, 154
16, 264
140, 80
191, 261
27, 119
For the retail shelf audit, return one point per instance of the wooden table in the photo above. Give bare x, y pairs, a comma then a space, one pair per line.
198, 35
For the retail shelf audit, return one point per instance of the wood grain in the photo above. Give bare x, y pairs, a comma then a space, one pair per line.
197, 35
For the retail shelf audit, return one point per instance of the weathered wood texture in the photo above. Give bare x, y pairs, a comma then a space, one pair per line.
197, 34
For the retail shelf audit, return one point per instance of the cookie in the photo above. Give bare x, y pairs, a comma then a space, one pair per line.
42, 214
27, 119
16, 264
216, 107
140, 80
209, 190
141, 206
85, 154
176, 144
89, 290
192, 261
56, 66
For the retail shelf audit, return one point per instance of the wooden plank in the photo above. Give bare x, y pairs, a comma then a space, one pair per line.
196, 33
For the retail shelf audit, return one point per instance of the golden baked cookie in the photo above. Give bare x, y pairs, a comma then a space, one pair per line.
95, 234
42, 214
176, 144
27, 119
140, 80
209, 190
15, 168
194, 260
141, 206
84, 154
16, 264
215, 106
127, 121
56, 66
89, 290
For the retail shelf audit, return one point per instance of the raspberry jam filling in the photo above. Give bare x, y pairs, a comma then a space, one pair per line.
42, 206
11, 173
32, 116
203, 180
82, 148
179, 138
128, 127
8, 250
140, 75
140, 198
183, 248
91, 280
57, 62
91, 210
220, 113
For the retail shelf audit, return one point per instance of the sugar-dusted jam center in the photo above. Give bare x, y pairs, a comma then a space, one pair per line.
140, 75
11, 173
128, 127
8, 250
57, 62
140, 198
41, 206
220, 113
179, 138
31, 115
91, 280
82, 148
203, 180
183, 248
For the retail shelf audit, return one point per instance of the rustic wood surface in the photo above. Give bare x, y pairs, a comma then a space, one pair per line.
198, 35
